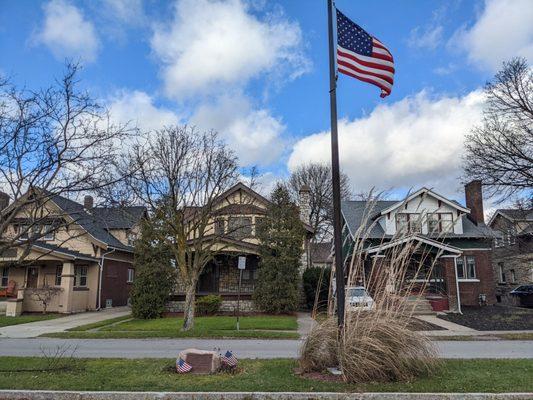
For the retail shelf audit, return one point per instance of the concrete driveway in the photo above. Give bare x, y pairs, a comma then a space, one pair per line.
34, 329
168, 348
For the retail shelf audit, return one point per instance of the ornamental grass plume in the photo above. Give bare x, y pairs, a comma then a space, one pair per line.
378, 344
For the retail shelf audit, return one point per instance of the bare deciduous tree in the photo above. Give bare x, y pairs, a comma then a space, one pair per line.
181, 173
318, 178
53, 142
500, 150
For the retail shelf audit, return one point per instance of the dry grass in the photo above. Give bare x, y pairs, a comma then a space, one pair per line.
378, 345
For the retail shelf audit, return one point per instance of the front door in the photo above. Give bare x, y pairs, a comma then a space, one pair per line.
31, 277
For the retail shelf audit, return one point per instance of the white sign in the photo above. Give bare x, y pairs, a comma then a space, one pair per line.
242, 262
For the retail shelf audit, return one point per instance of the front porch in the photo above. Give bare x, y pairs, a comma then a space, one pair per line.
221, 277
49, 281
427, 275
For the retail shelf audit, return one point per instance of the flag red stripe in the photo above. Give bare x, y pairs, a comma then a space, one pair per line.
365, 63
363, 72
365, 68
366, 78
382, 56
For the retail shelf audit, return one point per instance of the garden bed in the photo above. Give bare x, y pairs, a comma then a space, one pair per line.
493, 318
276, 375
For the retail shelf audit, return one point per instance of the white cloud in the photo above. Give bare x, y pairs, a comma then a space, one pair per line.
210, 44
67, 33
503, 30
138, 109
254, 134
429, 38
414, 142
127, 11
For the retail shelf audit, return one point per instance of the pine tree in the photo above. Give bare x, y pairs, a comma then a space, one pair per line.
280, 237
155, 275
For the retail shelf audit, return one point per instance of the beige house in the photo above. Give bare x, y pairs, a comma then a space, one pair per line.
84, 261
237, 212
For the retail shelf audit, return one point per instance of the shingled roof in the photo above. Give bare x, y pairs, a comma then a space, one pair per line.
356, 213
98, 221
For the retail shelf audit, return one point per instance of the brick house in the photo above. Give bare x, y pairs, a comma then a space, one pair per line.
86, 259
513, 251
456, 237
236, 214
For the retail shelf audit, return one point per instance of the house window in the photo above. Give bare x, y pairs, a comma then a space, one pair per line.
513, 276
258, 222
5, 275
131, 274
446, 222
460, 267
220, 226
80, 276
470, 267
402, 222
433, 223
240, 227
59, 272
415, 224
501, 272
48, 232
249, 274
24, 232
132, 237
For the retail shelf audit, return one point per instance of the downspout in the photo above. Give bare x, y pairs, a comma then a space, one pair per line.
457, 285
101, 274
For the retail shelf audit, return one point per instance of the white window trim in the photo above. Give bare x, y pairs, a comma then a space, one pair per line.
128, 280
468, 280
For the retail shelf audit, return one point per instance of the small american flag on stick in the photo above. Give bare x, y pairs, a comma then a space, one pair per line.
362, 56
229, 359
182, 367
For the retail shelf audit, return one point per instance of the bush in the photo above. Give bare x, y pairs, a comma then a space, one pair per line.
208, 305
311, 277
155, 278
280, 238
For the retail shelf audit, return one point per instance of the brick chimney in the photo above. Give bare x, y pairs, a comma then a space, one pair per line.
4, 200
474, 201
304, 198
88, 202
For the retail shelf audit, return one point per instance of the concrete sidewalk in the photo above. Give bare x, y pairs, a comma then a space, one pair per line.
34, 329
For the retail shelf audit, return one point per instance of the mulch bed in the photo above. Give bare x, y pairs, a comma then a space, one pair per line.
493, 318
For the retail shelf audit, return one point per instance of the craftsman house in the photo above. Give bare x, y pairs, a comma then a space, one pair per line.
455, 238
513, 251
236, 214
84, 261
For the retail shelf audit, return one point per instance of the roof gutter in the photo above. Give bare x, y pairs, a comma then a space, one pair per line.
100, 276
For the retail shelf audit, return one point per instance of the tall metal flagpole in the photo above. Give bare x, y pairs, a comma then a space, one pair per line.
337, 239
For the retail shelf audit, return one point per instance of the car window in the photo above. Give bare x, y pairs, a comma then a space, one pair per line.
357, 292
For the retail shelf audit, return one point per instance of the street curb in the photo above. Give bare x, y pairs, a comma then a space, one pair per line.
74, 395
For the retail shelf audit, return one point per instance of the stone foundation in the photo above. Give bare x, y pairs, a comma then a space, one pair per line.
227, 306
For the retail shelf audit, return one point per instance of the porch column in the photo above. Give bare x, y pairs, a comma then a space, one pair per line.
451, 282
67, 286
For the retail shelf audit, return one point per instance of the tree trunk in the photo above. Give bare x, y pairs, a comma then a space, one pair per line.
188, 311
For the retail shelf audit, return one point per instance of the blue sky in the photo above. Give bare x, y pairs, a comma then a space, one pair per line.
257, 71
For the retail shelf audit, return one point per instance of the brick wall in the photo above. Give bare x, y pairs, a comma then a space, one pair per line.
114, 283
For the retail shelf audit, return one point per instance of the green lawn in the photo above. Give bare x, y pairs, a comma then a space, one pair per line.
256, 375
264, 326
23, 319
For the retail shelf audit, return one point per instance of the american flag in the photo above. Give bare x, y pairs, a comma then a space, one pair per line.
229, 359
362, 56
182, 367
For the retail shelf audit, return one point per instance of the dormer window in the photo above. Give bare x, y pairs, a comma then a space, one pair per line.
440, 222
408, 223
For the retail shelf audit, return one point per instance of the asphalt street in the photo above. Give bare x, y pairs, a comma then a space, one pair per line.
169, 348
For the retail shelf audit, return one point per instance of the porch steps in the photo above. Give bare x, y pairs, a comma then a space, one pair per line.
421, 305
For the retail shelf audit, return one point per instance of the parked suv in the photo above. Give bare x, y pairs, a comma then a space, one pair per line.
525, 294
359, 299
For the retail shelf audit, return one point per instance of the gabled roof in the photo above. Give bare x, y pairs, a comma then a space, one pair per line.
95, 224
429, 192
421, 239
356, 214
513, 214
61, 251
